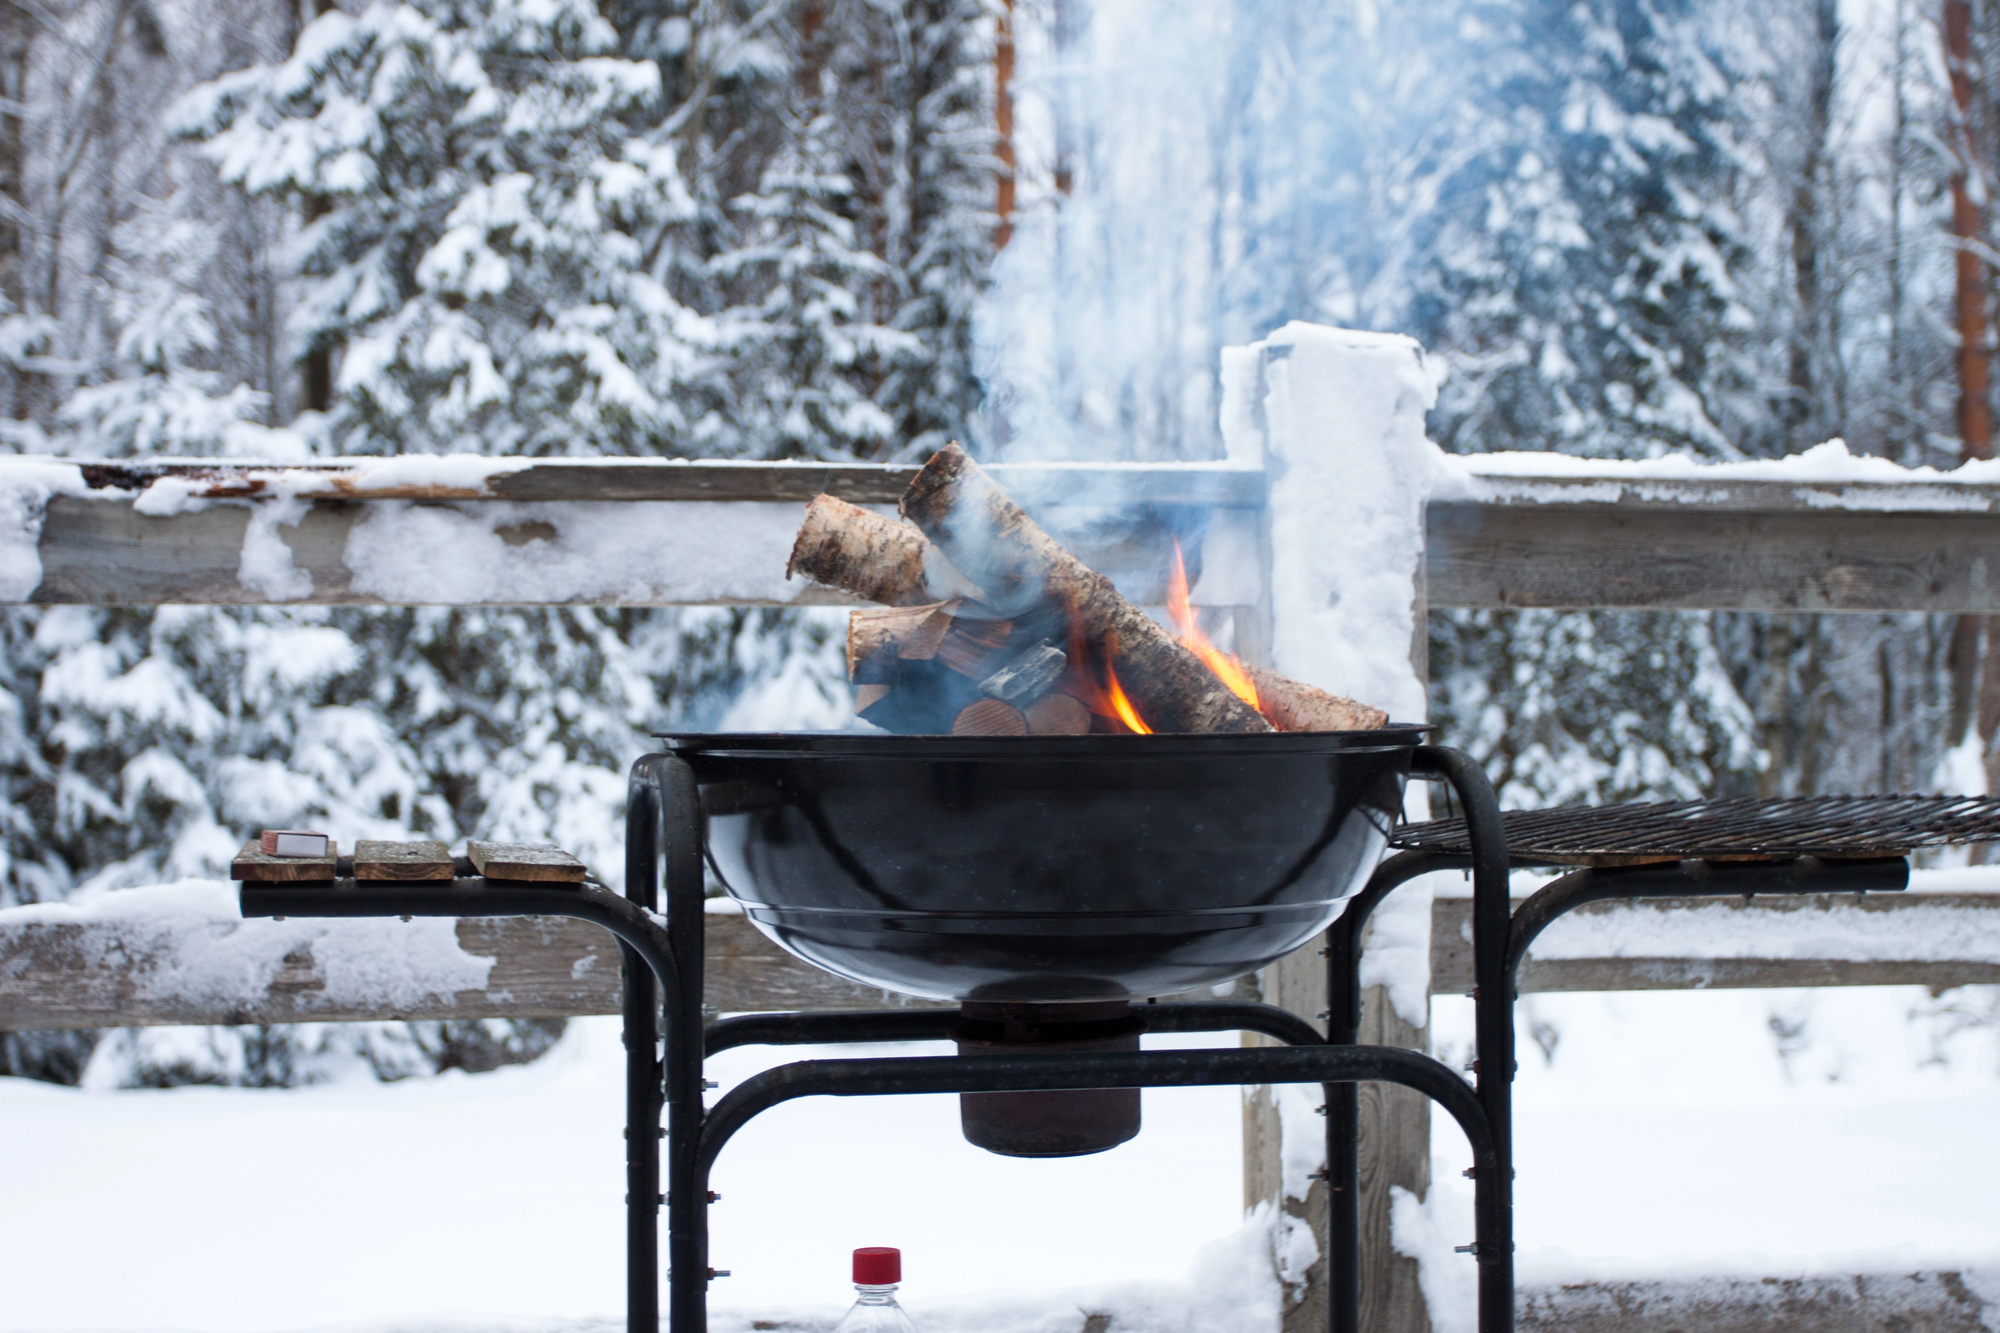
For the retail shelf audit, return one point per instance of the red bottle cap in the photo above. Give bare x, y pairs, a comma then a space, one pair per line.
877, 1266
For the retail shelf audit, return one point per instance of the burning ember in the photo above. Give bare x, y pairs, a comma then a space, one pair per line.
989, 627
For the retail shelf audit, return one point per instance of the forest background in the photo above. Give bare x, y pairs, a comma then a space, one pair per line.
853, 229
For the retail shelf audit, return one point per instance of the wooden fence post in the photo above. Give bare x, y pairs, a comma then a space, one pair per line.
1336, 419
1395, 1151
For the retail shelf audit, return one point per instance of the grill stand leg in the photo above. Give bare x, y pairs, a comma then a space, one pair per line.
663, 825
1493, 1002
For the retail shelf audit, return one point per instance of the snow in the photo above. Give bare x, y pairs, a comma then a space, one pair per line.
1923, 488
26, 486
446, 471
267, 565
1344, 442
186, 942
416, 1204
1962, 770
1301, 1137
393, 1210
1835, 930
624, 552
1740, 1123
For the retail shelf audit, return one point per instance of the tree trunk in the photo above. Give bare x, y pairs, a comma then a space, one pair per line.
1975, 421
1003, 124
1809, 351
1974, 673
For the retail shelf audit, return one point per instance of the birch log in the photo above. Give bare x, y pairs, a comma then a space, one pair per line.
1018, 566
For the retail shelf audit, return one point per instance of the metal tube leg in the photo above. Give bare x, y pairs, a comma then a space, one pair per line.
1343, 1208
1343, 1127
1493, 1001
642, 1072
642, 1148
687, 1198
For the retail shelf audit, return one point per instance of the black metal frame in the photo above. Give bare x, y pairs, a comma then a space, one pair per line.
663, 831
1494, 1022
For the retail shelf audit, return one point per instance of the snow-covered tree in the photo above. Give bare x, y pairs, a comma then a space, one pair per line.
490, 235
916, 78
806, 355
1584, 276
157, 391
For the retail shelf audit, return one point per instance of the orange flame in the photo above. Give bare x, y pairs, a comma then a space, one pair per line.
1226, 668
1114, 694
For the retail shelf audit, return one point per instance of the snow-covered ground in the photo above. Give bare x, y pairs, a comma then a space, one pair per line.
1747, 1132
229, 1210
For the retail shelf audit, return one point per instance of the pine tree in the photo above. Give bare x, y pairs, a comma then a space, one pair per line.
1585, 290
489, 225
1585, 283
806, 354
919, 74
158, 392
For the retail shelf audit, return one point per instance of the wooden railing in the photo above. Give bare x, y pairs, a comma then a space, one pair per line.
62, 969
1594, 541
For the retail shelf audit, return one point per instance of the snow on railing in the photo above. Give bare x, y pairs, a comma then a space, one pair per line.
466, 530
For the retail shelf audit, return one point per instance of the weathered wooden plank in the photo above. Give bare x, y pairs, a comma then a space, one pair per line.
120, 973
1723, 489
540, 862
1924, 1302
104, 552
629, 479
1710, 557
402, 862
1947, 918
253, 863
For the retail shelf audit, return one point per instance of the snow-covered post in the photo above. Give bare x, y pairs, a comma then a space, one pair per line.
1336, 418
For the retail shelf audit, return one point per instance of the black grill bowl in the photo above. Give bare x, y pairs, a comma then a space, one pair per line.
1046, 868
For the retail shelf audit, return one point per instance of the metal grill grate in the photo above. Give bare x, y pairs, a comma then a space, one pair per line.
1720, 830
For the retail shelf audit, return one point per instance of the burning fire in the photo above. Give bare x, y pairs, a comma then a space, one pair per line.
1226, 668
1122, 706
1109, 698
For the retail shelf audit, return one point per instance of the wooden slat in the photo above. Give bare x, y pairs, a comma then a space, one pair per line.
1764, 917
1923, 1302
1711, 558
103, 974
96, 975
1726, 491
697, 553
541, 862
402, 862
1703, 546
105, 553
628, 479
251, 863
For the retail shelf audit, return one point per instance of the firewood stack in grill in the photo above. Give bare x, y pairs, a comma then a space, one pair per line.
990, 628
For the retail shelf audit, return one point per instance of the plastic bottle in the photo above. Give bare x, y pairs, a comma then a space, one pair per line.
877, 1270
